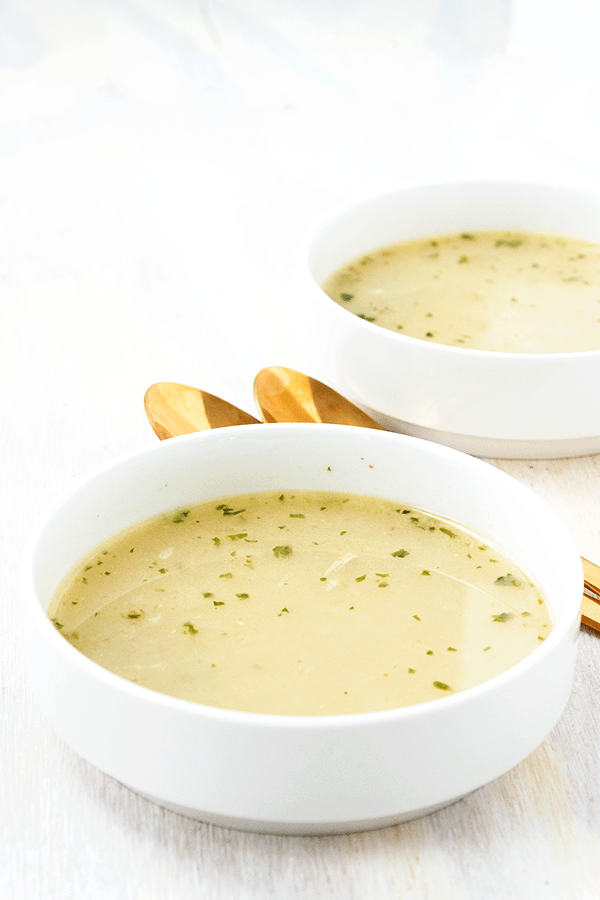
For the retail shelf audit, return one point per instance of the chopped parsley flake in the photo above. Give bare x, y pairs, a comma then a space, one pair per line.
282, 551
508, 579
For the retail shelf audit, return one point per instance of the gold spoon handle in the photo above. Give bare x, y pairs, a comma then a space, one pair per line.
590, 610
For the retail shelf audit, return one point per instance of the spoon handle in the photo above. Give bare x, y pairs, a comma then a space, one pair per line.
590, 610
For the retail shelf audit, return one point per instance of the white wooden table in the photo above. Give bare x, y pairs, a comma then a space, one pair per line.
160, 164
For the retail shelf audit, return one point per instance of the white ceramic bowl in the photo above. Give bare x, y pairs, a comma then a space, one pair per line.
505, 405
291, 774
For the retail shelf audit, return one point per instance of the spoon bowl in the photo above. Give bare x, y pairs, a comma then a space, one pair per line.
284, 395
174, 409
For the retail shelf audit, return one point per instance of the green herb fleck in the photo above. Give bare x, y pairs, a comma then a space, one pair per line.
238, 537
282, 551
463, 259
418, 618
297, 516
401, 553
411, 671
441, 685
190, 628
242, 596
284, 610
502, 617
425, 572
346, 297
135, 615
360, 578
452, 649
181, 516
162, 571
229, 511
508, 579
226, 575
502, 242
447, 531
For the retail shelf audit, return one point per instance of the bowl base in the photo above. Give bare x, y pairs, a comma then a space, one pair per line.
491, 447
260, 826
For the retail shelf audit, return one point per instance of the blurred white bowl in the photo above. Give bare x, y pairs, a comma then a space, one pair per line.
504, 405
291, 774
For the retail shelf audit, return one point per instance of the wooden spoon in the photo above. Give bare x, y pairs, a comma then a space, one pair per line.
284, 395
175, 409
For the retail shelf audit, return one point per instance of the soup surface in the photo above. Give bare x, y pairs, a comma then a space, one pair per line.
301, 603
492, 290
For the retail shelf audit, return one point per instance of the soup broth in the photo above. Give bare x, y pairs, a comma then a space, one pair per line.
301, 603
493, 290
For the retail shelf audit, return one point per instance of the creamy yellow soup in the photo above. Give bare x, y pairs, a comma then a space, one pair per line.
301, 603
494, 290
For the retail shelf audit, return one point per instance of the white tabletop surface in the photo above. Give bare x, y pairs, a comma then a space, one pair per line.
160, 164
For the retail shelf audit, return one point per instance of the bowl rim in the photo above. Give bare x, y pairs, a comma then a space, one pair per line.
32, 607
352, 206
